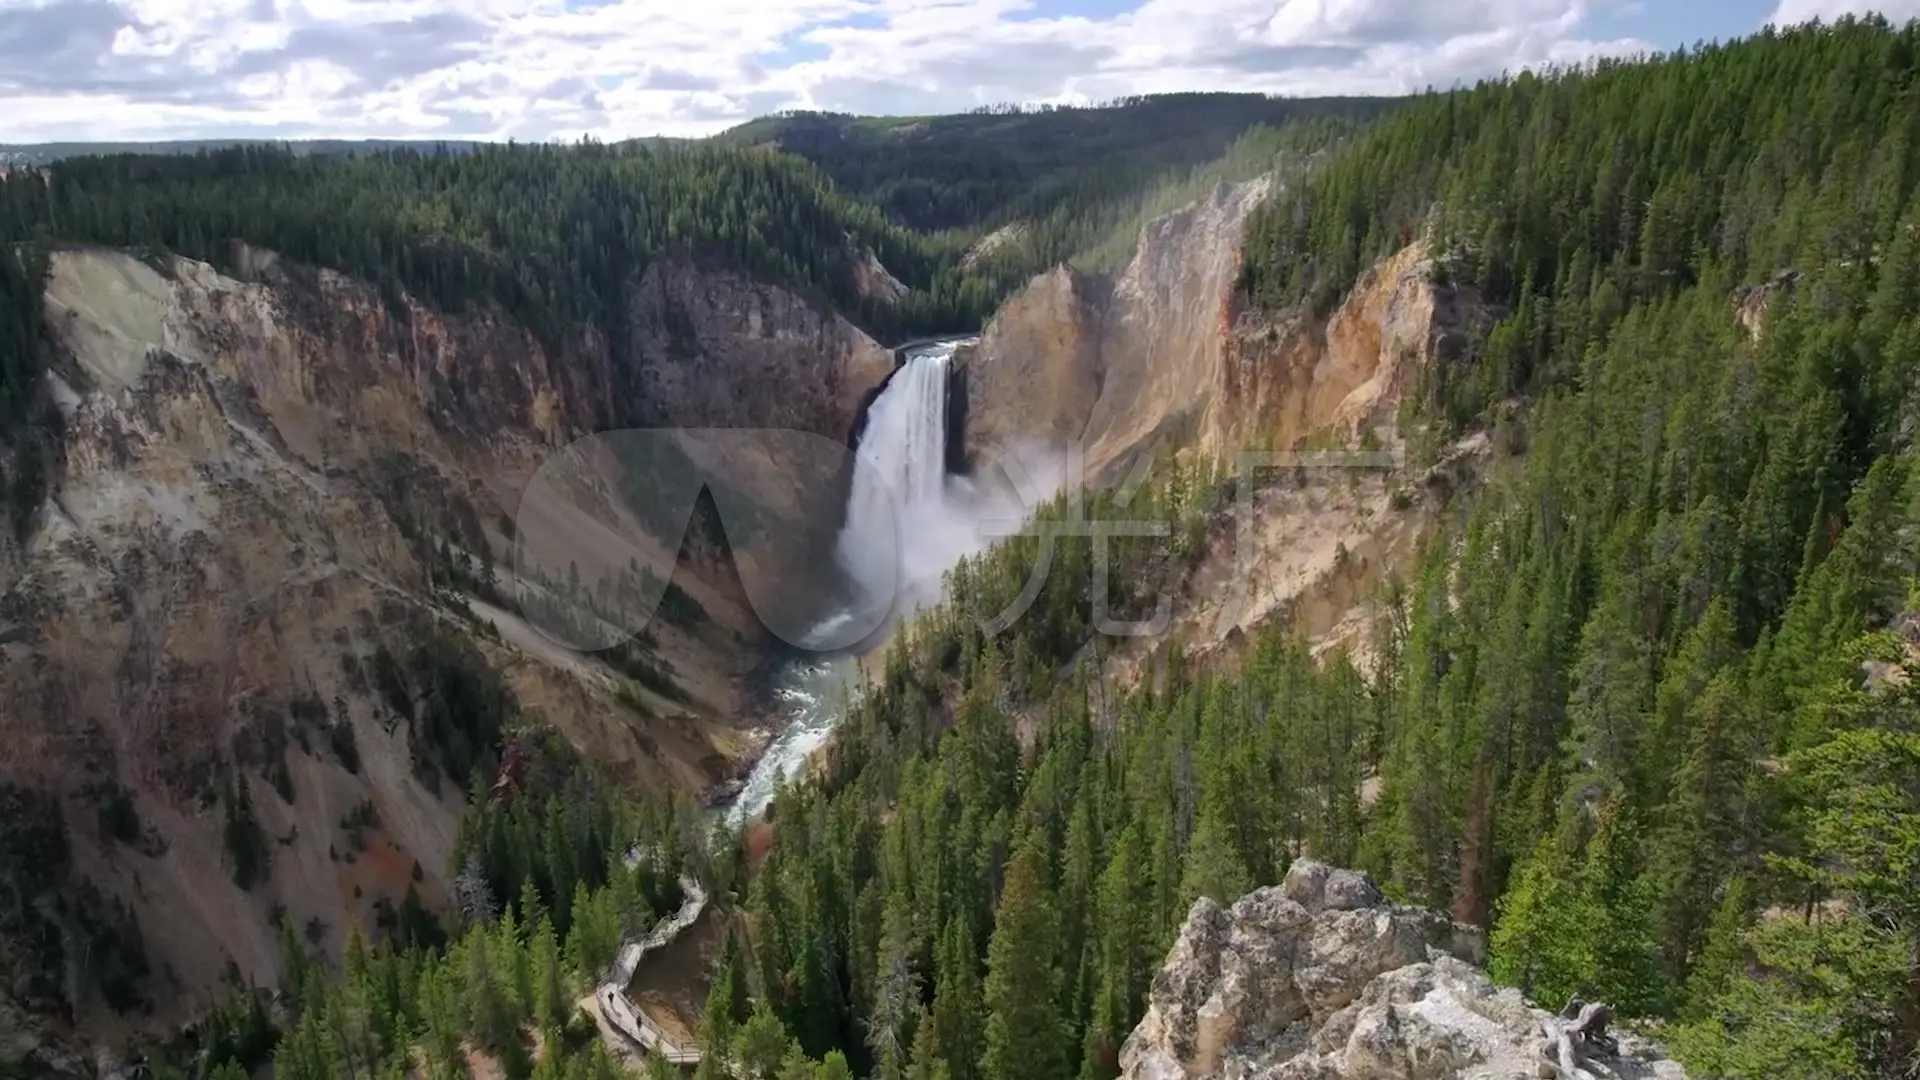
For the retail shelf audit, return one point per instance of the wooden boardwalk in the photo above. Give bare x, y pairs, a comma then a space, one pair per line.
612, 991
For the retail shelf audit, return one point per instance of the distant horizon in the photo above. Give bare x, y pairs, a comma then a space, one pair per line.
162, 71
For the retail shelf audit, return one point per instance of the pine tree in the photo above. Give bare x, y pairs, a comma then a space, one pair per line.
717, 1020
896, 994
1625, 972
1723, 956
795, 1065
489, 1005
926, 1062
958, 1008
1213, 866
550, 1003
441, 1019
296, 964
760, 1044
1540, 941
1024, 1039
1692, 850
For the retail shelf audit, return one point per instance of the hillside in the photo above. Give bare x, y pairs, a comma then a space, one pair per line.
47, 153
1026, 189
988, 167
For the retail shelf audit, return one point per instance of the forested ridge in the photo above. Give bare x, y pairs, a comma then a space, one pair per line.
1646, 710
550, 233
1070, 183
991, 166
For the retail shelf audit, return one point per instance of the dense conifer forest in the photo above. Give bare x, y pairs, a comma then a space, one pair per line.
1647, 708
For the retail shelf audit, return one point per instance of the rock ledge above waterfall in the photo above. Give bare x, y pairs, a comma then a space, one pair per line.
1322, 978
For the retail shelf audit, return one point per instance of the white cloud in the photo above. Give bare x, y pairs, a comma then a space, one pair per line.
1791, 12
131, 69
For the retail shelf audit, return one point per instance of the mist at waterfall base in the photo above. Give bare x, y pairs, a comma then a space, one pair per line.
908, 522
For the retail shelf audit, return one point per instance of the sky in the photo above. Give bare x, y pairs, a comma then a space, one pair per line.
74, 70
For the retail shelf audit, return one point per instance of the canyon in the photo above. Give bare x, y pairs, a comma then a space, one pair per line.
292, 511
287, 523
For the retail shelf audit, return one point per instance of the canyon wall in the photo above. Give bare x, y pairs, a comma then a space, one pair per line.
1165, 364
286, 520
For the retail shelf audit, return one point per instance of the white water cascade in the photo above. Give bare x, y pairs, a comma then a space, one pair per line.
901, 515
908, 522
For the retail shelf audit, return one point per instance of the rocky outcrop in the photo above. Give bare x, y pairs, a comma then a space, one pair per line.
1753, 303
29, 1049
1004, 237
1321, 978
278, 486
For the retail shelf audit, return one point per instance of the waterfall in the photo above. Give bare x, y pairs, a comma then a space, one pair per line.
899, 525
900, 486
907, 523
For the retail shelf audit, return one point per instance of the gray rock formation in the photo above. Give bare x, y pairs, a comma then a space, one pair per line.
1322, 978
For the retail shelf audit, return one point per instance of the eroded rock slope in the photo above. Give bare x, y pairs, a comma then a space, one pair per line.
1165, 364
283, 531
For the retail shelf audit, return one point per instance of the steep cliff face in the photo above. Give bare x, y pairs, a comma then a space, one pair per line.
1118, 366
1165, 364
1321, 978
720, 350
1162, 342
1289, 379
1036, 373
1165, 356
287, 513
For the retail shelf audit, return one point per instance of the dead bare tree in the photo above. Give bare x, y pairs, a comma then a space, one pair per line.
1570, 1037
